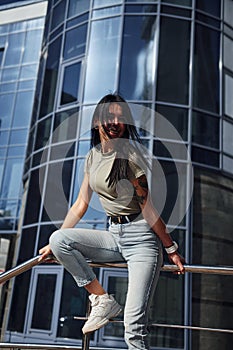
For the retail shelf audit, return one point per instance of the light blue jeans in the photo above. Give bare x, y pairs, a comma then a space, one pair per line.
134, 243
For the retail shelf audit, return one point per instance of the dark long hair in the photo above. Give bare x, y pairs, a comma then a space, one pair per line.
120, 168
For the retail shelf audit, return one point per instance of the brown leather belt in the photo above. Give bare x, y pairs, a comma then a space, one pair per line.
125, 219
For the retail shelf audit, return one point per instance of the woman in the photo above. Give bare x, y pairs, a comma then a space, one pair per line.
116, 170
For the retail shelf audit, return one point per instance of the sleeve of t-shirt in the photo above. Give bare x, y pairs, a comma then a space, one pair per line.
135, 170
135, 165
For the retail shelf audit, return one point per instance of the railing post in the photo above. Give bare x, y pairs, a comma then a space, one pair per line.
86, 337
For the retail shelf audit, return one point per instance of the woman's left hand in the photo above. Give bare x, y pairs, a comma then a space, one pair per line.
178, 260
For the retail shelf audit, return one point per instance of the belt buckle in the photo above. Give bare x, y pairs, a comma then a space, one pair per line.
119, 219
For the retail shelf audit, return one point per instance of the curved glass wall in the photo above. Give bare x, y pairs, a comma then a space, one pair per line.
18, 72
167, 60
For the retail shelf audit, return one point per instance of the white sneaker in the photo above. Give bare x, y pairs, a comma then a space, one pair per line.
103, 307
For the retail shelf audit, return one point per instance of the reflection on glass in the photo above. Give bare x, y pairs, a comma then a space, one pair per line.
33, 37
228, 12
173, 61
3, 137
228, 103
43, 133
44, 296
16, 151
28, 71
9, 74
98, 3
50, 78
65, 125
205, 130
206, 69
14, 49
8, 87
227, 137
18, 136
78, 6
7, 104
8, 208
70, 83
140, 8
205, 156
57, 191
138, 57
228, 52
75, 42
58, 14
178, 117
163, 149
23, 108
169, 185
73, 303
211, 7
102, 59
107, 12
12, 173
168, 308
179, 2
228, 164
33, 207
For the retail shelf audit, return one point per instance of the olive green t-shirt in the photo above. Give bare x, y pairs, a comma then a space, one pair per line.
118, 199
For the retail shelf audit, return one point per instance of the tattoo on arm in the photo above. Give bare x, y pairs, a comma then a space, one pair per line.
141, 189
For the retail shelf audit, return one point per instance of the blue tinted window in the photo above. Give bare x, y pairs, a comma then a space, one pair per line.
70, 83
212, 7
50, 78
75, 42
137, 75
58, 14
14, 49
6, 105
10, 74
28, 71
173, 61
206, 69
102, 58
12, 173
205, 130
33, 38
8, 87
3, 137
18, 136
23, 108
78, 6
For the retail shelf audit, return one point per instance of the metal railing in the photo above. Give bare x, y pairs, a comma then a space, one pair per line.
27, 265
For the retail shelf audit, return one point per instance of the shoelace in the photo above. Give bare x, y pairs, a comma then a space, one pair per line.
97, 307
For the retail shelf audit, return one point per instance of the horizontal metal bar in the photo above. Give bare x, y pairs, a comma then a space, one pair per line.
219, 270
17, 270
37, 346
164, 325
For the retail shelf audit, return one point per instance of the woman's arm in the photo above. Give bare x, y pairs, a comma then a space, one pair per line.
79, 208
75, 213
154, 220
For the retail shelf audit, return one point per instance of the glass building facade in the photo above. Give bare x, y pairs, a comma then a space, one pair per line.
172, 61
21, 32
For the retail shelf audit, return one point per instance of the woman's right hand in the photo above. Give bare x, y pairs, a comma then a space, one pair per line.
45, 252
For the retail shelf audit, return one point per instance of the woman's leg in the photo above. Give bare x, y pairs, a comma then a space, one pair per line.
143, 253
72, 247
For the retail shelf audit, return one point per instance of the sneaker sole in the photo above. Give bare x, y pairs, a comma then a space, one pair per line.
115, 312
